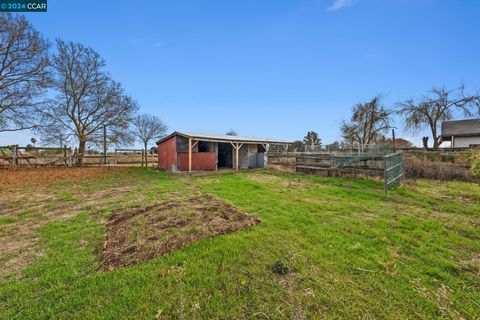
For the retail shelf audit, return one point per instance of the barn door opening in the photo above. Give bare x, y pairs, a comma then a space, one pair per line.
225, 155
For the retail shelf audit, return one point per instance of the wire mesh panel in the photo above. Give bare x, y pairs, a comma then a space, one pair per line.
393, 170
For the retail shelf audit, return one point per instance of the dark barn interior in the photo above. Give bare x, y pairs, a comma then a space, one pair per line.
225, 155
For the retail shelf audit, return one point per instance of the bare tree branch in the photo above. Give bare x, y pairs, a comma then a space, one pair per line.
24, 72
147, 127
18, 129
369, 121
437, 106
87, 100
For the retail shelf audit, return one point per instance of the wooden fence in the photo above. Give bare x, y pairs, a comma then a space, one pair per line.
389, 167
326, 164
42, 156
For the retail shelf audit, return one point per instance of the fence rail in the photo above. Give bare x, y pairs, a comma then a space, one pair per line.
390, 167
41, 156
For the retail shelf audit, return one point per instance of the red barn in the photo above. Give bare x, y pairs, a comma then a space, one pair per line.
182, 151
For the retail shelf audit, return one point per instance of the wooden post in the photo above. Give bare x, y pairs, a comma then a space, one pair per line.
65, 154
104, 145
236, 155
393, 140
266, 146
189, 155
216, 156
385, 176
14, 155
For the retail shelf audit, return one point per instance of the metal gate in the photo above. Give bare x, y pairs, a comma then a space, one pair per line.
393, 168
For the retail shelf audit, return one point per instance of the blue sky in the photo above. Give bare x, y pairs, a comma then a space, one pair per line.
272, 68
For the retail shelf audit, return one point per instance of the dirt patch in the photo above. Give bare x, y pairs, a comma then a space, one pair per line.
144, 232
13, 178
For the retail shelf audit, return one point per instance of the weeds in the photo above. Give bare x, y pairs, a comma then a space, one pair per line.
426, 169
280, 267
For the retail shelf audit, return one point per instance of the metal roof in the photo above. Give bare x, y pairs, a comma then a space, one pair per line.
222, 138
459, 128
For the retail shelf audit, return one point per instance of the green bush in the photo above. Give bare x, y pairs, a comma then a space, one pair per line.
280, 267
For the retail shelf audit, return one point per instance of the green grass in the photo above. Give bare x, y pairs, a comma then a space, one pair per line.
6, 220
350, 252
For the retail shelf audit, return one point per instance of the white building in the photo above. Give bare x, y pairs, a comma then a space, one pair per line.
461, 133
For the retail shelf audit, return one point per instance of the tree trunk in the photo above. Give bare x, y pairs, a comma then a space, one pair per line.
436, 143
81, 152
425, 142
146, 155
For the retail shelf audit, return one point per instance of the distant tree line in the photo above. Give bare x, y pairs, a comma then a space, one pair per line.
371, 121
64, 93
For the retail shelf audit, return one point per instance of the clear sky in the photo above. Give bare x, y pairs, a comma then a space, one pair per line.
271, 68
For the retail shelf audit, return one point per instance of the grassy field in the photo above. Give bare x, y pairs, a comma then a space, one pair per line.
350, 252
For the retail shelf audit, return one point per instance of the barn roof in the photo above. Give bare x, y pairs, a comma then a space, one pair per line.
461, 128
222, 138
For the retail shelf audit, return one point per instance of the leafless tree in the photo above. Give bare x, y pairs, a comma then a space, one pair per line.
440, 104
369, 121
24, 71
147, 127
87, 100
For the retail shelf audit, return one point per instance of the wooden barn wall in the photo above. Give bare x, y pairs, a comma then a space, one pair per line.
201, 161
167, 155
174, 152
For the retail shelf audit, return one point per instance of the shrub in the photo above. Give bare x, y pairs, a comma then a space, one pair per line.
422, 168
280, 267
475, 169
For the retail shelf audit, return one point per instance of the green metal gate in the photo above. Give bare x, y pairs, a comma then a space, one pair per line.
393, 169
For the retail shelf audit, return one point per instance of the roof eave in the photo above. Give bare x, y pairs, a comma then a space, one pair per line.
256, 141
461, 135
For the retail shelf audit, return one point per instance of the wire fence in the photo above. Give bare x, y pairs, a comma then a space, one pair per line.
393, 170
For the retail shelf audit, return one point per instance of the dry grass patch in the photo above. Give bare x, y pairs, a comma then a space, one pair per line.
14, 178
472, 265
144, 232
297, 184
264, 178
24, 212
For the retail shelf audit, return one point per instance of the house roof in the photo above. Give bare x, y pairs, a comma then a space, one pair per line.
461, 128
222, 138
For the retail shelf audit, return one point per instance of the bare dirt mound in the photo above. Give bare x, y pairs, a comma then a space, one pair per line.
144, 232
